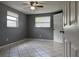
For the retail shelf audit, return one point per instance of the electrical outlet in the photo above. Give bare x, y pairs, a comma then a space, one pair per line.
7, 39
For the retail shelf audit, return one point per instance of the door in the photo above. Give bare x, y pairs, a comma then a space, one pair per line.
71, 29
58, 27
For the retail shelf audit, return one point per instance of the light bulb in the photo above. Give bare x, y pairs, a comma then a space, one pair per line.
32, 8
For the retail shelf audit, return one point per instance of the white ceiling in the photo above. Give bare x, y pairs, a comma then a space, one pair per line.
49, 6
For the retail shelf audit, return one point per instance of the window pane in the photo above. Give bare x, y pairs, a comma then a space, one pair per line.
11, 18
42, 19
11, 23
42, 25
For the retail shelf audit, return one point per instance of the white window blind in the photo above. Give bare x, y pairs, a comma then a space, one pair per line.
12, 19
42, 21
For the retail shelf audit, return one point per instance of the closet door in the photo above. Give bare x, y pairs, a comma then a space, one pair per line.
67, 11
66, 22
73, 21
65, 14
78, 11
73, 13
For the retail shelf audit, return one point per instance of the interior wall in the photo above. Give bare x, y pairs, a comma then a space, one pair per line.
26, 27
43, 33
12, 34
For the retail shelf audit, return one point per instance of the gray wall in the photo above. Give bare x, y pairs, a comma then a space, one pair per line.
13, 34
26, 27
43, 33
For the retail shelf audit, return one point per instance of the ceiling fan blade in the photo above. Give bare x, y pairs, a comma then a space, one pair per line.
25, 4
41, 6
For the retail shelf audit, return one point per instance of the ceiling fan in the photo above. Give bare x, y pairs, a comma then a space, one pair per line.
33, 5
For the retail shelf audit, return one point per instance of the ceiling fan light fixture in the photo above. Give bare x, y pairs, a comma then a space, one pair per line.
32, 8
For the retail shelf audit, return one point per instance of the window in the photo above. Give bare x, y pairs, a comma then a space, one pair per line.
42, 21
12, 19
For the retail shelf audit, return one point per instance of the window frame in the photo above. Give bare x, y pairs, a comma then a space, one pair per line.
43, 22
16, 21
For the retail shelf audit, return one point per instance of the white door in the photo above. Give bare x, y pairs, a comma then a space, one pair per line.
58, 26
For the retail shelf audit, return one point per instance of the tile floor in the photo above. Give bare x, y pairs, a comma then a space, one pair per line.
33, 48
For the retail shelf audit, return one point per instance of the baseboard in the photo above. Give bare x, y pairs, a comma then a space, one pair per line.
27, 39
11, 43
